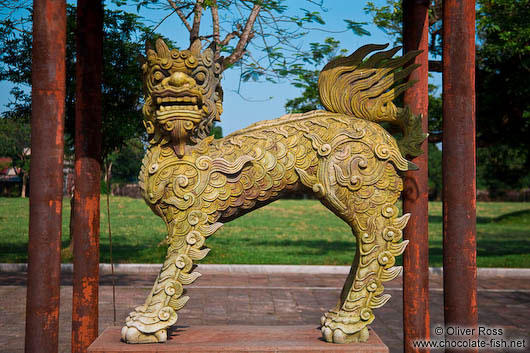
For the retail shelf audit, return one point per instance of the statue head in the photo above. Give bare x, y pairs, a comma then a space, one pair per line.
183, 94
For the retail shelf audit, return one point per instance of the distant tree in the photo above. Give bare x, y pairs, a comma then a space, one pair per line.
15, 144
389, 18
124, 38
435, 172
503, 104
503, 167
126, 161
503, 71
304, 75
217, 131
258, 38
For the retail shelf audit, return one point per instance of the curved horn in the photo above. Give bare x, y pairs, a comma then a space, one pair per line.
196, 47
161, 48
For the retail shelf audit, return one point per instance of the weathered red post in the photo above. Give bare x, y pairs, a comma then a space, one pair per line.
459, 208
48, 92
415, 197
87, 174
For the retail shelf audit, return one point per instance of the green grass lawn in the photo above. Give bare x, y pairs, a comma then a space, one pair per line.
285, 232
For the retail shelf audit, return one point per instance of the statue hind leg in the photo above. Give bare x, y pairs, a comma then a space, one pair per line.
378, 235
149, 323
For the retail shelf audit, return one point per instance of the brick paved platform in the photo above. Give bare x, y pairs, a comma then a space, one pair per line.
262, 300
237, 338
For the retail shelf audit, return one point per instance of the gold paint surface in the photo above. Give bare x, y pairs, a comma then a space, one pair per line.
342, 155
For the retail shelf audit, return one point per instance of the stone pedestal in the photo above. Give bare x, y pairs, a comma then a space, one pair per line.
237, 339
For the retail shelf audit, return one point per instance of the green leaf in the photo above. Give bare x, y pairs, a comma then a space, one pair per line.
357, 28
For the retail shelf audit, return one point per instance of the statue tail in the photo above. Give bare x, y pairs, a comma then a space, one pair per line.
365, 88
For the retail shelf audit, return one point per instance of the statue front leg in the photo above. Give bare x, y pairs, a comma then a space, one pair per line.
149, 323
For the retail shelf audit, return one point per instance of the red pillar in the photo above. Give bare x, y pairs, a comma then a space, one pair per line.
46, 175
416, 319
459, 209
87, 174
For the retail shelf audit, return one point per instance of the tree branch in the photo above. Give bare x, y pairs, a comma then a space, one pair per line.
264, 41
16, 29
215, 23
245, 37
197, 10
162, 21
179, 12
229, 37
435, 14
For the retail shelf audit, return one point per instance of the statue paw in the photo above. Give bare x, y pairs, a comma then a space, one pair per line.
147, 326
133, 335
330, 315
342, 331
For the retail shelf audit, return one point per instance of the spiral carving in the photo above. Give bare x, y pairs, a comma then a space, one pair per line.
173, 288
195, 182
166, 313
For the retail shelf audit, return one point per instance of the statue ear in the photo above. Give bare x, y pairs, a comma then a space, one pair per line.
196, 47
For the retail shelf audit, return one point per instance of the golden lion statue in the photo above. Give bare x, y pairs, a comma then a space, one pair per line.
342, 155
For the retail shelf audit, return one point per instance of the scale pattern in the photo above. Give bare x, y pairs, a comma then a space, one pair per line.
352, 165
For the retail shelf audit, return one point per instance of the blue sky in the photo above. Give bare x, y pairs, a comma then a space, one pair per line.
264, 100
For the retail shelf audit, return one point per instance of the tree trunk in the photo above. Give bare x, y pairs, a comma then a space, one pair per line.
24, 185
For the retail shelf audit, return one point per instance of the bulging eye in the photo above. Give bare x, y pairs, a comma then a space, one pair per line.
158, 76
200, 78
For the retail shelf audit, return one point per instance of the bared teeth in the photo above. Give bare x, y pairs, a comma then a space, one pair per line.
187, 99
164, 108
180, 103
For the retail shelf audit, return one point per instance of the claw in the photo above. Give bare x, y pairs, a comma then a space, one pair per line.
133, 335
338, 335
327, 334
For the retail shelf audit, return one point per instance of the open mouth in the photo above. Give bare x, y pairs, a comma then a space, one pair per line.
170, 103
